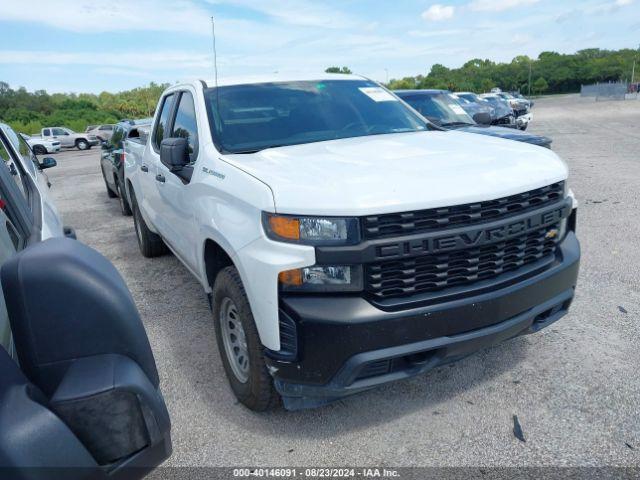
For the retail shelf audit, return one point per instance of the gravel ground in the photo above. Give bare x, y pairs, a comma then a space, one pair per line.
575, 387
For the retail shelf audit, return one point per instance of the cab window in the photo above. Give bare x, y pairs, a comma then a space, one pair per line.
160, 132
185, 125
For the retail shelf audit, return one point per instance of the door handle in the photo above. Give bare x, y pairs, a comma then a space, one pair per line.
160, 178
144, 168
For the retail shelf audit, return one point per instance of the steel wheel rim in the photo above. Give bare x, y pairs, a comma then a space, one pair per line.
234, 339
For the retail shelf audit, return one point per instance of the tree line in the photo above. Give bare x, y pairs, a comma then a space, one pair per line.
29, 112
551, 72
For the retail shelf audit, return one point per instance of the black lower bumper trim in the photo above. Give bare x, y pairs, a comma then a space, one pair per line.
347, 345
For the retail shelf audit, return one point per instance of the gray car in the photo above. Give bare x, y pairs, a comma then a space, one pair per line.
101, 132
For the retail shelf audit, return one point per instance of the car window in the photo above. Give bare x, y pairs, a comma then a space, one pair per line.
58, 131
46, 131
185, 125
159, 134
11, 240
14, 170
23, 148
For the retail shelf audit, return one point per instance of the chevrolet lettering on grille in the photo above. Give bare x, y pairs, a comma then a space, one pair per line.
472, 237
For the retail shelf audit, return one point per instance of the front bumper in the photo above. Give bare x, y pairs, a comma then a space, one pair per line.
524, 119
346, 345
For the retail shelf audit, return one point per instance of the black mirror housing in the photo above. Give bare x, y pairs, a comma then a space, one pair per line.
482, 118
48, 162
174, 153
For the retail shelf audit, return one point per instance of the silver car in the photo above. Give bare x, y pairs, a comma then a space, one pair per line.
24, 165
101, 132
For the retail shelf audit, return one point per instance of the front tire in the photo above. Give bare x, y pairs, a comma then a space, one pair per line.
150, 243
110, 193
82, 144
124, 204
239, 344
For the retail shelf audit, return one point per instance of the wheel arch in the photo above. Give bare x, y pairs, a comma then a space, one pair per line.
215, 258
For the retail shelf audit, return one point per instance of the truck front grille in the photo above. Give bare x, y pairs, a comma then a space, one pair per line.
435, 272
435, 219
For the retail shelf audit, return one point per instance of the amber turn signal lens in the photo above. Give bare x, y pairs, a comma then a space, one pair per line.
291, 277
285, 227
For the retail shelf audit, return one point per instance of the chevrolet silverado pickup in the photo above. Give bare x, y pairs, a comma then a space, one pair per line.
344, 240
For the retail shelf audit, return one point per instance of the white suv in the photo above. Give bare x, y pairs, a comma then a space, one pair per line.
344, 240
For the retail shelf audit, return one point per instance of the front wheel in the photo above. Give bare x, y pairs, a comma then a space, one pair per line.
82, 144
239, 345
124, 203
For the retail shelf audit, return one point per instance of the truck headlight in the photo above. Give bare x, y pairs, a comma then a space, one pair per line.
311, 230
322, 278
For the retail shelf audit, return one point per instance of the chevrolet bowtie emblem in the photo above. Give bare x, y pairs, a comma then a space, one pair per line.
553, 233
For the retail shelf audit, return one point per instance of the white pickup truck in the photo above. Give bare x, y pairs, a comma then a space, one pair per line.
344, 241
68, 138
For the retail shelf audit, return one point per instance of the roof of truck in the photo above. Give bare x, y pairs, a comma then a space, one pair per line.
280, 77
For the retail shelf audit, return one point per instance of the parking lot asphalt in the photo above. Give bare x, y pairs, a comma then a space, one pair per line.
575, 387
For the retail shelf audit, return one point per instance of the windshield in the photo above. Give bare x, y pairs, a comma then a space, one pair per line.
249, 118
440, 108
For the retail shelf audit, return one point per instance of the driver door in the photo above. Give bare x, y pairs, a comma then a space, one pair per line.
177, 225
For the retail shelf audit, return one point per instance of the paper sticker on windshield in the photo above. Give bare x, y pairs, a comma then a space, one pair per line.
378, 94
457, 108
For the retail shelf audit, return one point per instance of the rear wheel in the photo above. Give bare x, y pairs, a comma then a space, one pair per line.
39, 150
239, 345
150, 243
124, 204
82, 144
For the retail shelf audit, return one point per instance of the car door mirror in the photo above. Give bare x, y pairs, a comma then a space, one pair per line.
48, 162
174, 153
482, 118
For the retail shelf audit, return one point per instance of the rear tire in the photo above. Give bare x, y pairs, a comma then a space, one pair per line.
124, 204
82, 144
39, 150
242, 358
150, 243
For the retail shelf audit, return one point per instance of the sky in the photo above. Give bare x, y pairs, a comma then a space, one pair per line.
114, 45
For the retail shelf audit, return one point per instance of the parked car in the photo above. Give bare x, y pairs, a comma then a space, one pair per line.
28, 174
520, 107
519, 96
101, 132
68, 138
472, 104
502, 114
113, 158
505, 116
42, 146
79, 389
442, 108
344, 241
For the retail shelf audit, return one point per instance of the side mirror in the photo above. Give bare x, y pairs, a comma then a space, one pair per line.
48, 162
482, 118
174, 153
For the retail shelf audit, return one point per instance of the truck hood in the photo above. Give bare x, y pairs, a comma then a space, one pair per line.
398, 172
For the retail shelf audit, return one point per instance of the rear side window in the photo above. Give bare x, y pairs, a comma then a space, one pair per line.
47, 132
161, 132
185, 125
